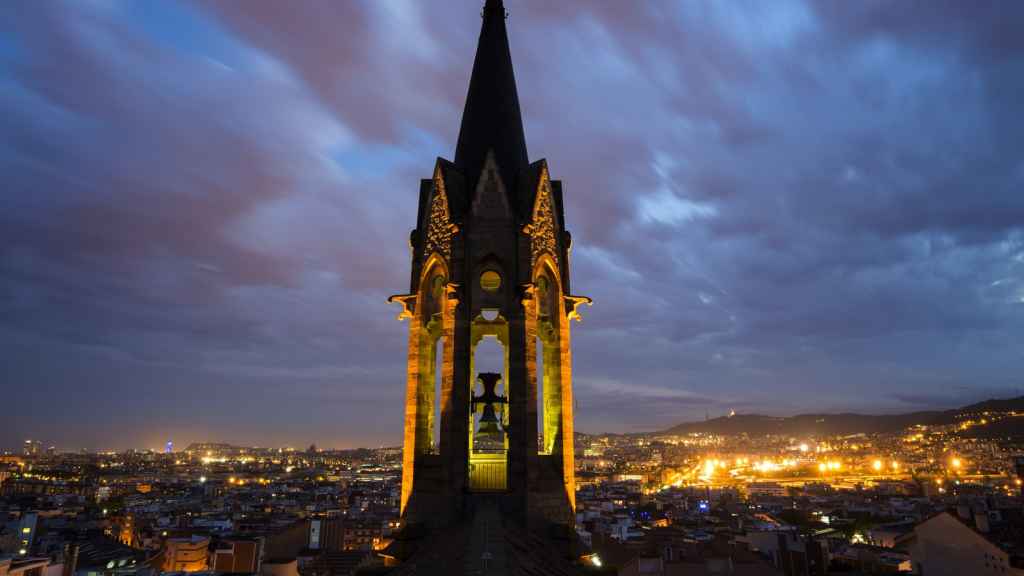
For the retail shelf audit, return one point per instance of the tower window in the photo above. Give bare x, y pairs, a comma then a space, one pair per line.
490, 281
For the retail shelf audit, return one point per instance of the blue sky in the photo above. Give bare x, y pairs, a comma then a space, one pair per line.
778, 207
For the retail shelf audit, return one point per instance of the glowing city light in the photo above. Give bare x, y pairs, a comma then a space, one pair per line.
709, 467
830, 466
877, 465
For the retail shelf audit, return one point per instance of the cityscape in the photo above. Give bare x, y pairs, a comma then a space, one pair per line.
860, 502
801, 220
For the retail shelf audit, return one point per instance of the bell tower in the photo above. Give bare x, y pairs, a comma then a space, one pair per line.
490, 261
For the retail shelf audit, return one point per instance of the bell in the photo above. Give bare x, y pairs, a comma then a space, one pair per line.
489, 435
489, 431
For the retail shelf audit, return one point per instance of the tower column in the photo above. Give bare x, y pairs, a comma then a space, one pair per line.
412, 409
522, 408
568, 439
458, 357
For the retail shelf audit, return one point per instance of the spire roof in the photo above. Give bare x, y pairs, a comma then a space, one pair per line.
491, 119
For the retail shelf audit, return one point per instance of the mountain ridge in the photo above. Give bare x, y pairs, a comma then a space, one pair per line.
824, 424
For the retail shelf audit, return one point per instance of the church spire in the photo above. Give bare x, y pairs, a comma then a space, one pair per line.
490, 238
491, 119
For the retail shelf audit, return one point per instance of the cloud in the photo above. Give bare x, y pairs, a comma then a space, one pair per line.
205, 205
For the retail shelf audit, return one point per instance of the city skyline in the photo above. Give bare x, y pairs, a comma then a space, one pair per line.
752, 424
206, 209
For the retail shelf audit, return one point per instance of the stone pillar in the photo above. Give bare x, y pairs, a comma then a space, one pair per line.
455, 391
522, 408
568, 447
411, 412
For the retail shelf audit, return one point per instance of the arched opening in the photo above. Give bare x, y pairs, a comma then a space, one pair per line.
489, 355
548, 364
489, 435
429, 396
489, 418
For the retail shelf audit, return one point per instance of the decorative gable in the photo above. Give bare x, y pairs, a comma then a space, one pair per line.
490, 199
440, 228
542, 228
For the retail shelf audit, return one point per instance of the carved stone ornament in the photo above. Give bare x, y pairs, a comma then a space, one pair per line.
542, 229
439, 227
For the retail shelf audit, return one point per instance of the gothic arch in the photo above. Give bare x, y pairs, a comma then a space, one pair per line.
431, 296
429, 369
547, 323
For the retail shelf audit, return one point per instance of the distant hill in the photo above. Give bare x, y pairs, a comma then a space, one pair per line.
991, 405
838, 424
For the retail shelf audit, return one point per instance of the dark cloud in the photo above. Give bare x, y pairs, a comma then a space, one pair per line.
205, 205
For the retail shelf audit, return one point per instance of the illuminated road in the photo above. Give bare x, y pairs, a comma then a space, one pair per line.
696, 476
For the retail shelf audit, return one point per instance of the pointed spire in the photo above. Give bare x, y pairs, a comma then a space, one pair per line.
491, 119
496, 6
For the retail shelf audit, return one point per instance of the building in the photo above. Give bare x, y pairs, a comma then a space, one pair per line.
944, 545
23, 566
98, 554
327, 534
362, 534
767, 489
279, 568
18, 535
186, 554
490, 263
33, 448
338, 563
237, 556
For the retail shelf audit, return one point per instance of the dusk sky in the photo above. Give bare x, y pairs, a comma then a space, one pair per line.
777, 206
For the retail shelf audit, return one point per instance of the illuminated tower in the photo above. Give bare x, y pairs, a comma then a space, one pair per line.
490, 260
